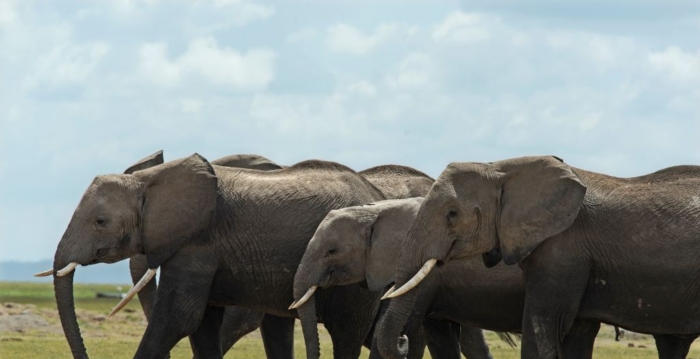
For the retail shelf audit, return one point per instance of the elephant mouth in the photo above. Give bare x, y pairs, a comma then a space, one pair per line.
107, 255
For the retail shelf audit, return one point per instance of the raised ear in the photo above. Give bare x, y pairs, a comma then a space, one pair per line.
179, 201
146, 162
387, 236
541, 196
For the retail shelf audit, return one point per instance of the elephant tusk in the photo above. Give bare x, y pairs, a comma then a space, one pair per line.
45, 273
135, 289
388, 292
69, 268
303, 299
422, 273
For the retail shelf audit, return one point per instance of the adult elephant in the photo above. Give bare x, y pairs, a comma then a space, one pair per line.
359, 244
277, 333
220, 236
592, 247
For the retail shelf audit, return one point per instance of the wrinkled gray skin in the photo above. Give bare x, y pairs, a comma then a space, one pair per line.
359, 244
593, 248
277, 333
397, 182
211, 230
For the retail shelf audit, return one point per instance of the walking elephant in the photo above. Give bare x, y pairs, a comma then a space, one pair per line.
593, 248
220, 236
277, 333
359, 244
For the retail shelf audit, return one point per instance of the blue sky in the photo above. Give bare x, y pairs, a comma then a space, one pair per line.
90, 87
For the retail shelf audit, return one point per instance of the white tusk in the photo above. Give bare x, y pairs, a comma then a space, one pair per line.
69, 268
135, 289
45, 273
303, 299
422, 273
388, 292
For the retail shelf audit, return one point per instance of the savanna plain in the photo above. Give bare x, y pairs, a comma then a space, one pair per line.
30, 328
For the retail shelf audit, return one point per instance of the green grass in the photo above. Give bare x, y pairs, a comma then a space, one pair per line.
119, 337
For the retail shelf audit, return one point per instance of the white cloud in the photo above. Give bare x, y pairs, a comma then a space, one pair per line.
415, 71
206, 59
677, 64
463, 27
66, 63
8, 14
191, 106
302, 35
346, 38
242, 12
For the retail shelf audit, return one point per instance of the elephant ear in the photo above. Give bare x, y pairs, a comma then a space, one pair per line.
179, 201
541, 196
385, 240
146, 162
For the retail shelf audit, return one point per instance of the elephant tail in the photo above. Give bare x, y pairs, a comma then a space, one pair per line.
509, 338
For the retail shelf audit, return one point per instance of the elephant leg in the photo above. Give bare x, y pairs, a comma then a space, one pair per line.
473, 343
552, 299
278, 336
348, 313
442, 337
180, 305
237, 323
206, 340
673, 346
580, 339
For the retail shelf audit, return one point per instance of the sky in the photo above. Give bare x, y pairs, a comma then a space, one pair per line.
90, 87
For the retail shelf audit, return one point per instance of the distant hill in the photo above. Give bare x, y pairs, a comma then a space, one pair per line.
117, 273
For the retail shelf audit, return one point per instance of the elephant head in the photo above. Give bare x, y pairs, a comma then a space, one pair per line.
502, 210
351, 245
151, 212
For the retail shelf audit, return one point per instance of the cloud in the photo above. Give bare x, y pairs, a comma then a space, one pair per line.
204, 58
346, 38
414, 71
242, 12
67, 63
464, 28
676, 64
8, 14
301, 36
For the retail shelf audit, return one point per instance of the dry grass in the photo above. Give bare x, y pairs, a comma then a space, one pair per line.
30, 328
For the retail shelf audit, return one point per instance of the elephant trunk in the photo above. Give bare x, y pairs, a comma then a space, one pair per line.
138, 265
309, 326
63, 289
392, 344
307, 310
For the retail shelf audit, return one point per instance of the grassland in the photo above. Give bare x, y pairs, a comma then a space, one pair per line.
30, 328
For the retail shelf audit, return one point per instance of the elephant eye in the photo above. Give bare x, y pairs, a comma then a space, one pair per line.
100, 221
331, 252
452, 214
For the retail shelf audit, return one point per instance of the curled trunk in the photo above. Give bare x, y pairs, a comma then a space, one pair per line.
392, 344
138, 265
63, 289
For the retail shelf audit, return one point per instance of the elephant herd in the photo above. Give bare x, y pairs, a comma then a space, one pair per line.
389, 258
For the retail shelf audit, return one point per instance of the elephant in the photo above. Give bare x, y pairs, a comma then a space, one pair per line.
397, 182
394, 181
220, 236
255, 162
277, 333
358, 244
592, 247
